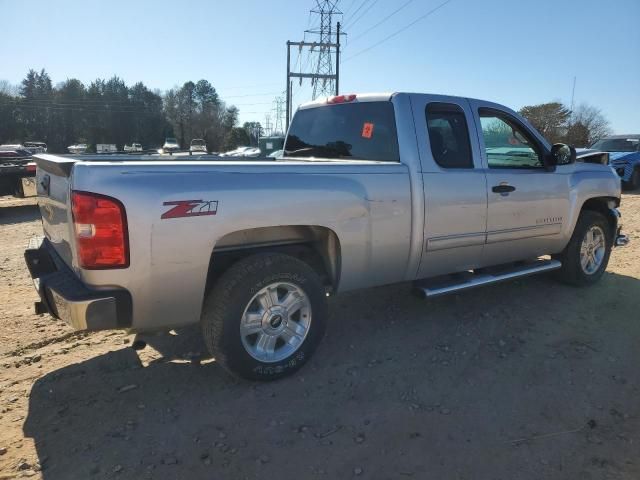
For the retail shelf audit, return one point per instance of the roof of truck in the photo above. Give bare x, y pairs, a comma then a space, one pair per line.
375, 97
362, 97
630, 136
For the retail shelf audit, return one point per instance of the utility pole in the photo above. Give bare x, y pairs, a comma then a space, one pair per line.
326, 76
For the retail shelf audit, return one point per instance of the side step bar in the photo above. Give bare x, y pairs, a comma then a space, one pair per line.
464, 281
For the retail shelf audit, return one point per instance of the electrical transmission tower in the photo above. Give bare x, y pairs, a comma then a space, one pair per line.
267, 125
326, 76
279, 123
325, 9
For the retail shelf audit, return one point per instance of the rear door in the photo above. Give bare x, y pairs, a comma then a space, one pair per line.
455, 188
527, 204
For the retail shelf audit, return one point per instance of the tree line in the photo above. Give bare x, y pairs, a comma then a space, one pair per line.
110, 111
581, 127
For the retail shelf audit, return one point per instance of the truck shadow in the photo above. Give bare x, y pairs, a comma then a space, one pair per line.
395, 388
18, 214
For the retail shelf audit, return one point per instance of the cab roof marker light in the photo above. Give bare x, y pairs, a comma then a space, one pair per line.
341, 99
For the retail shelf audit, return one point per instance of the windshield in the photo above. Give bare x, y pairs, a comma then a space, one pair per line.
617, 145
358, 131
197, 142
171, 140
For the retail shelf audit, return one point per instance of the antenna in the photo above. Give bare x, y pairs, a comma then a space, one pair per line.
573, 95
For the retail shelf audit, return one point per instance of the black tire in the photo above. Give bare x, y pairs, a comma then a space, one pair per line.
634, 181
225, 305
572, 271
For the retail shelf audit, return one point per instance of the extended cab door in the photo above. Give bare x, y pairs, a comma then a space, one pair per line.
455, 189
527, 203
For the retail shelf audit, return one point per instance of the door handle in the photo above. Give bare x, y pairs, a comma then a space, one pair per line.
503, 188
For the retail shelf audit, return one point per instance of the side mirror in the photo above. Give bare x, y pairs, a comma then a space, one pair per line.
562, 154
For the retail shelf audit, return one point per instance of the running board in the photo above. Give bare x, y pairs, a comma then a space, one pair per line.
472, 279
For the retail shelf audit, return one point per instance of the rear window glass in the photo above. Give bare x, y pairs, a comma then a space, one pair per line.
449, 135
357, 131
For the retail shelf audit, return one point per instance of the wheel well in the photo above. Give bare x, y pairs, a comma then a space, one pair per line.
318, 247
604, 205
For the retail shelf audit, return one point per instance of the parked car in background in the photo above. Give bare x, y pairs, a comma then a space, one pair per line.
36, 147
450, 193
235, 152
134, 147
624, 157
78, 148
106, 148
16, 164
276, 154
15, 150
170, 144
198, 145
243, 152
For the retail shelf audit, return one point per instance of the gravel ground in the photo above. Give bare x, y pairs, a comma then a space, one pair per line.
526, 380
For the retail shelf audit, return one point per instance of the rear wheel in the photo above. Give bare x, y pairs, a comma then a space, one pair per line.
585, 258
265, 316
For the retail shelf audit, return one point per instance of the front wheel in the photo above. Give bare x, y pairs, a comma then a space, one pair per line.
265, 316
585, 258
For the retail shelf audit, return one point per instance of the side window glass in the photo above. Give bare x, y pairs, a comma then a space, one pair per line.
507, 144
449, 135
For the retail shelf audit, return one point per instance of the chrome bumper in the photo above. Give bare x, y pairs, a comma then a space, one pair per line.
66, 297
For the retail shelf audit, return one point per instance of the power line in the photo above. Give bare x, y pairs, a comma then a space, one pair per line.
364, 12
398, 32
348, 9
252, 95
83, 109
382, 21
348, 19
246, 86
98, 104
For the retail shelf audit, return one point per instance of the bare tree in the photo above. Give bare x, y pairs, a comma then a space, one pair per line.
8, 88
592, 121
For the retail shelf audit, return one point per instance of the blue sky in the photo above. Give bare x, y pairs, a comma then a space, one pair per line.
510, 51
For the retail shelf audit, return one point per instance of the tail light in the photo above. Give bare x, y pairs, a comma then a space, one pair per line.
31, 167
341, 99
100, 225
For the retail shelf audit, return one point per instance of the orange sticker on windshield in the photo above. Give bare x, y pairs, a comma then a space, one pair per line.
367, 130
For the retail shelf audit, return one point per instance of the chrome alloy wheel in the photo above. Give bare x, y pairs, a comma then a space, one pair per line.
592, 250
275, 322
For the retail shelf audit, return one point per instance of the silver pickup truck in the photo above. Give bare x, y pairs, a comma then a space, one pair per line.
448, 193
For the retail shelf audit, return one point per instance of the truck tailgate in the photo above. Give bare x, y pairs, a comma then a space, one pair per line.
53, 181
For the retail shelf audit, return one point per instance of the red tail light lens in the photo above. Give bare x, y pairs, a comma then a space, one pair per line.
341, 99
100, 225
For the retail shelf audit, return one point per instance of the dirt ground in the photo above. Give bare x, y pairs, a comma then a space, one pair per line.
525, 380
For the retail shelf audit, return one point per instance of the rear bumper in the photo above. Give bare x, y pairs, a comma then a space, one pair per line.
66, 297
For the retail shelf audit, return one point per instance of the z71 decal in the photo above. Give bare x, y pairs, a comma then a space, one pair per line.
190, 208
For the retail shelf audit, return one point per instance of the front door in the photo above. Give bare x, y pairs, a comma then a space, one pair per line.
527, 204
